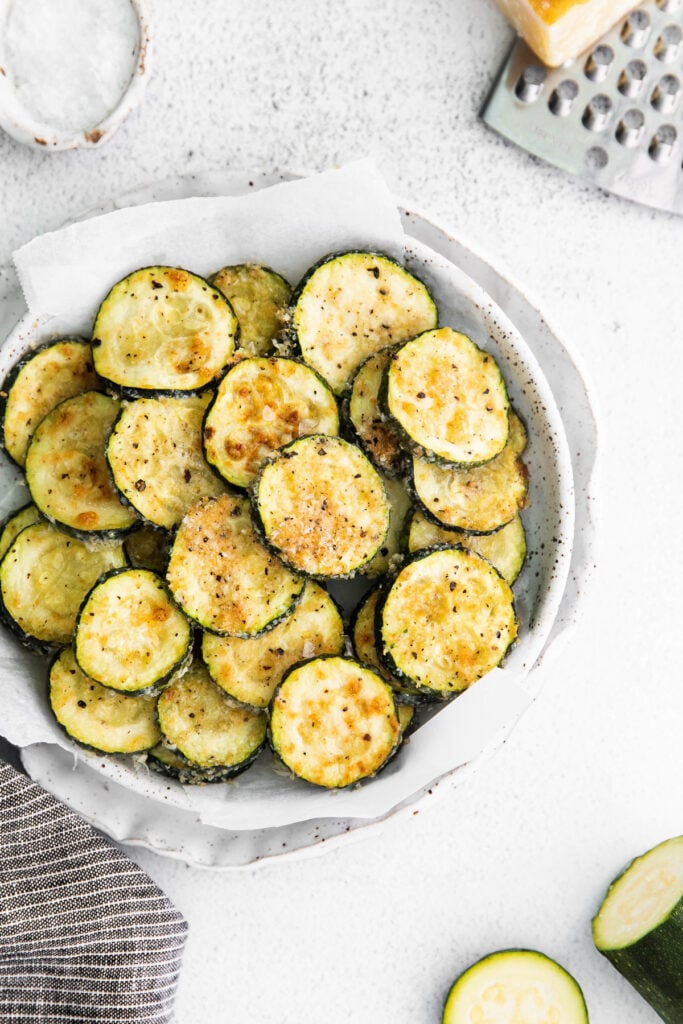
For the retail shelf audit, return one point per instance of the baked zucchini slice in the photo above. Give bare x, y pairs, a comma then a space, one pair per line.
478, 500
447, 398
166, 761
505, 549
96, 716
261, 405
155, 456
163, 330
400, 504
515, 986
353, 304
14, 523
203, 725
37, 383
44, 578
223, 577
148, 548
67, 473
334, 721
249, 670
639, 927
374, 433
260, 298
447, 619
364, 640
130, 635
322, 506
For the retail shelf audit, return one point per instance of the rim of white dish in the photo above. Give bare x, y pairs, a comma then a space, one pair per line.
16, 121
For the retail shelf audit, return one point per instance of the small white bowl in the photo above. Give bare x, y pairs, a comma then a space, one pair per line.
32, 129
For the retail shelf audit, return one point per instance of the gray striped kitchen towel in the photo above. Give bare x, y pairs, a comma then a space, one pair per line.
85, 935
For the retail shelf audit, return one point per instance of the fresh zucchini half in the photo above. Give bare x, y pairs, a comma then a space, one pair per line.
515, 986
260, 298
96, 716
505, 549
333, 721
261, 405
639, 927
447, 399
14, 523
223, 577
163, 330
67, 473
322, 507
353, 304
249, 670
364, 640
155, 457
203, 725
478, 500
130, 635
400, 504
376, 436
44, 578
446, 619
148, 548
37, 383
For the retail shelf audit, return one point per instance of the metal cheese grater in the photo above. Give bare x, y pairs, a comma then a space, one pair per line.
614, 115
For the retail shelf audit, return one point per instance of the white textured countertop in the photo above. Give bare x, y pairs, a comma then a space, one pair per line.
593, 775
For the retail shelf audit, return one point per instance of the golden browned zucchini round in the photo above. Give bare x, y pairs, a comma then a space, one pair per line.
260, 298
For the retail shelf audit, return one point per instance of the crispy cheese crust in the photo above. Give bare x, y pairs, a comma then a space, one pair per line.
354, 304
446, 620
478, 500
156, 460
334, 722
44, 578
260, 298
261, 405
163, 329
250, 669
222, 576
39, 382
201, 722
130, 635
66, 470
448, 398
97, 716
322, 506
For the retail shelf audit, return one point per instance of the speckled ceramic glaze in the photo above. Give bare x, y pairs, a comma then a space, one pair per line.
547, 390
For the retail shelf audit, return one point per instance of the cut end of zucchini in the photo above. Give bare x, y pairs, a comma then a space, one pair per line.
515, 986
642, 898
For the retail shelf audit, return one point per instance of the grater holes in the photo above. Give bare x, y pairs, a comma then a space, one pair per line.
666, 94
596, 158
599, 62
636, 29
630, 129
632, 77
668, 45
597, 113
562, 97
530, 83
662, 143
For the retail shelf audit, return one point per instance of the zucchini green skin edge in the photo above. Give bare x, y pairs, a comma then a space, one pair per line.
457, 1010
653, 964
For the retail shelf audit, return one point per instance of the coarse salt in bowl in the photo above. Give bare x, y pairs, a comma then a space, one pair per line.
70, 70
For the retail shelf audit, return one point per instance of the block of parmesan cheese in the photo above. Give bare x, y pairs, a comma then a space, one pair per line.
559, 30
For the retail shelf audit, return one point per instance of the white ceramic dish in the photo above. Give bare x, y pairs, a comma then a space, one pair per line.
25, 125
166, 823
